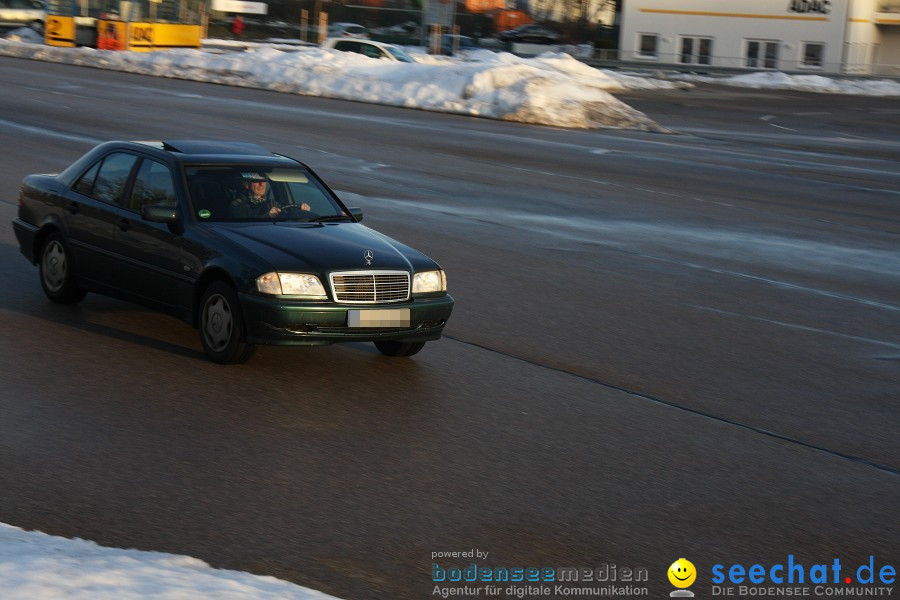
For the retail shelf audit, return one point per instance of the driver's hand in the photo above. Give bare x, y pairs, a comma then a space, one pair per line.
274, 211
305, 206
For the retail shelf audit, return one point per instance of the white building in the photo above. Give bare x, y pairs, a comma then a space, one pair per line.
828, 36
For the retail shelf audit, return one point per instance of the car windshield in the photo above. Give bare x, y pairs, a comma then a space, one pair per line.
399, 54
260, 193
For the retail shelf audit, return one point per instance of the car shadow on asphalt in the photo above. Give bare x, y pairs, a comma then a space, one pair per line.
80, 317
125, 322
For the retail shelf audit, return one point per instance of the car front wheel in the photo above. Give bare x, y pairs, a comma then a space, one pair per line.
394, 348
57, 272
222, 325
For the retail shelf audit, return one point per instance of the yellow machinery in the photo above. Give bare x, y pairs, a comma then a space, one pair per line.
137, 25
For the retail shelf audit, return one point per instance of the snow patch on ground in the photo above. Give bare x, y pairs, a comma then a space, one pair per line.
37, 566
803, 83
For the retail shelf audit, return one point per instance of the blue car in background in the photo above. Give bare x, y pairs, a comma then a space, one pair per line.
451, 44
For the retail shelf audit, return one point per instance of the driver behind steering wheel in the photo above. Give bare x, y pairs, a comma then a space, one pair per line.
254, 200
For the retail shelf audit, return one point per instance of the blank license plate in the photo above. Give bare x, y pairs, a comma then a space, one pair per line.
382, 317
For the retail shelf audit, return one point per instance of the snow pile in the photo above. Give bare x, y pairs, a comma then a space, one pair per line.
26, 35
553, 89
37, 566
804, 83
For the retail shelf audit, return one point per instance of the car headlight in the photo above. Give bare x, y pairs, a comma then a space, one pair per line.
291, 284
429, 281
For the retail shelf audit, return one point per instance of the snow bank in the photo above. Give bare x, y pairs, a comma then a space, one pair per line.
37, 566
552, 89
804, 83
26, 35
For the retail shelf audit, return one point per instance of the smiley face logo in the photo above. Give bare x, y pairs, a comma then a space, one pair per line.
682, 573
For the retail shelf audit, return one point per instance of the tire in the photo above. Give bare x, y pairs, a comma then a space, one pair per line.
57, 271
392, 348
222, 331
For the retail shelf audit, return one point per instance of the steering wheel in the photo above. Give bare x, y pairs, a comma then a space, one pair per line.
296, 208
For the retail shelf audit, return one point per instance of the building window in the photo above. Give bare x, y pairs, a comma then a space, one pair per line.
696, 50
813, 55
761, 54
647, 44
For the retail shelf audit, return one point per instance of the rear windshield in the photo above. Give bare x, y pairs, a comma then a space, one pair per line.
259, 193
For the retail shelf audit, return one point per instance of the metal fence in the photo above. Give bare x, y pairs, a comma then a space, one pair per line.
716, 63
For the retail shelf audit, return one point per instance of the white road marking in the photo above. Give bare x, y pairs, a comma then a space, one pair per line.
796, 326
49, 132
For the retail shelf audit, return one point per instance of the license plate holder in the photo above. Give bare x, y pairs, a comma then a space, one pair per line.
378, 317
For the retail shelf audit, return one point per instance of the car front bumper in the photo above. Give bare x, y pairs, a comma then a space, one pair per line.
275, 321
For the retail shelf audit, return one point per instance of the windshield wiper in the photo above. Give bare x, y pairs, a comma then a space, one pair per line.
324, 218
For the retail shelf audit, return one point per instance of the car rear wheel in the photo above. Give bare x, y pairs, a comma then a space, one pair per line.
222, 325
57, 272
393, 348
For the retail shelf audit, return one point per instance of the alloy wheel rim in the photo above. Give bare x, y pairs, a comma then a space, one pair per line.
54, 265
218, 322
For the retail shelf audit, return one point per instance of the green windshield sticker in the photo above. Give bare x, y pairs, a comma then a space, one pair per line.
204, 214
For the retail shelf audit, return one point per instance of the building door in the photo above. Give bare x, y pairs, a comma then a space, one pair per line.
695, 50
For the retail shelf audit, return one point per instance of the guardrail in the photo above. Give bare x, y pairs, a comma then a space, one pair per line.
618, 59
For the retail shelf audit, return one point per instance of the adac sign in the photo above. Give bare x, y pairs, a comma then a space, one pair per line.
819, 7
143, 37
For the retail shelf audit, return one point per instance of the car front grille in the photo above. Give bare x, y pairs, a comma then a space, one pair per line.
370, 287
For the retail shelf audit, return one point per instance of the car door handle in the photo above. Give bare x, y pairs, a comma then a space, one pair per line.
124, 224
73, 207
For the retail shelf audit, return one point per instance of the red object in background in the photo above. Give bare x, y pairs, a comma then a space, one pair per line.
510, 19
237, 26
483, 6
110, 35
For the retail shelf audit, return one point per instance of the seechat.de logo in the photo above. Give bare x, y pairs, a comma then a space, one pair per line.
794, 572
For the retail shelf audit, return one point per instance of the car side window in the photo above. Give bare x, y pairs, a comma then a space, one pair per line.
347, 46
85, 183
113, 175
371, 51
152, 185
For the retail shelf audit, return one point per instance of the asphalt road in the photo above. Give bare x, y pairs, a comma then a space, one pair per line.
663, 346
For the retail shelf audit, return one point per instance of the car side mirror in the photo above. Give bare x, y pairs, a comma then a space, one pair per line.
356, 212
159, 213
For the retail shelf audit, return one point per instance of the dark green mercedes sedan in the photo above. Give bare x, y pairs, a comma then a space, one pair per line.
249, 246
